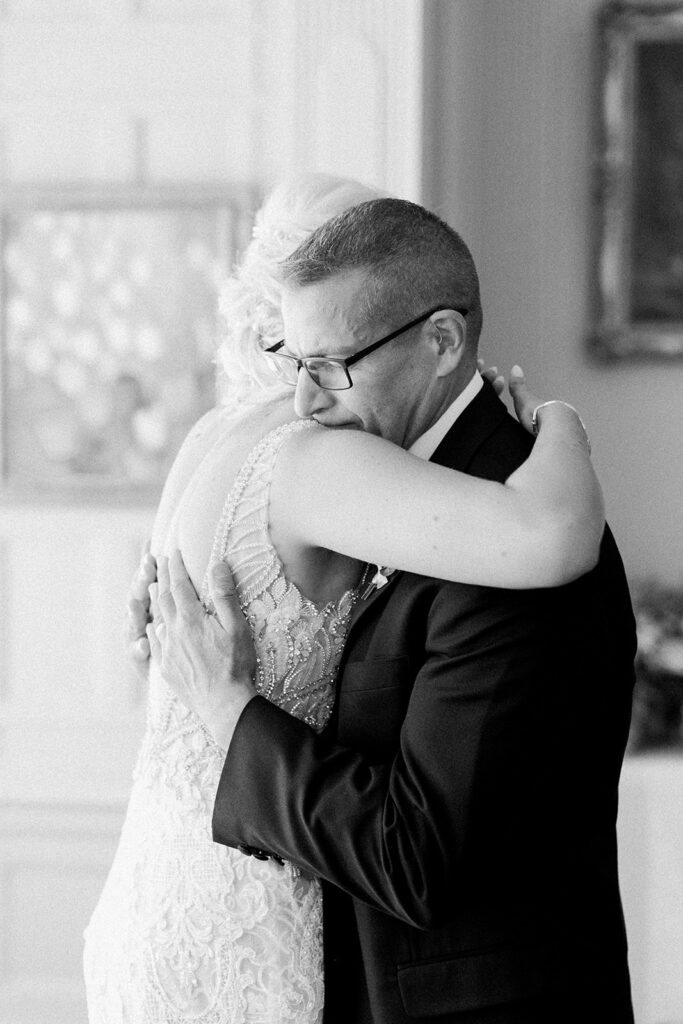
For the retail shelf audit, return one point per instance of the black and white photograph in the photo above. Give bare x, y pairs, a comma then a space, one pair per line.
341, 492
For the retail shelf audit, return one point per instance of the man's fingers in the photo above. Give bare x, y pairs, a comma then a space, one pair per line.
145, 574
138, 615
155, 610
184, 594
148, 568
163, 575
153, 641
221, 582
224, 596
139, 590
164, 597
139, 649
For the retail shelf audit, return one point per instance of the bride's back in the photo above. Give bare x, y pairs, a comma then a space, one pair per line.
199, 483
176, 905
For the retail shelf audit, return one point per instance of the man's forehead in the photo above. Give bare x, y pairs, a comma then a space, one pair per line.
323, 321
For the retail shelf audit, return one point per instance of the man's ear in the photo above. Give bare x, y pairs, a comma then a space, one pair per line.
450, 338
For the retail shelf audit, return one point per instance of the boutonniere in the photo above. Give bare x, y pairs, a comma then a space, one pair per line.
378, 580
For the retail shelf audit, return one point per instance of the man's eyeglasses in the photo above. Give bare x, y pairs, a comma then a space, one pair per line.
332, 372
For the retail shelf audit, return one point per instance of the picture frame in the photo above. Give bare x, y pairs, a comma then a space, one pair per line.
638, 195
109, 324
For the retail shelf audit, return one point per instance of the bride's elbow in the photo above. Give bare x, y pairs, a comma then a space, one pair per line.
568, 546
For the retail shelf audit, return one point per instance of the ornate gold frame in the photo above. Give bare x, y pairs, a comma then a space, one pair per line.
619, 332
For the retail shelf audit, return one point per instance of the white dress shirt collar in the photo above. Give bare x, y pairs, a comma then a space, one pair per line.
427, 443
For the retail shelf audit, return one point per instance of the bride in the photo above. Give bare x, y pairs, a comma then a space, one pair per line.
187, 930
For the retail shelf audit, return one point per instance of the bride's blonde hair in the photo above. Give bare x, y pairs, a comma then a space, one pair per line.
250, 300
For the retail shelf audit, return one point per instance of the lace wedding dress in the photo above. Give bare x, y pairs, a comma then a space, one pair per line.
185, 929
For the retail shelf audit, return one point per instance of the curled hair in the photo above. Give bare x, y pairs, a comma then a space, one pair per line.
412, 261
250, 299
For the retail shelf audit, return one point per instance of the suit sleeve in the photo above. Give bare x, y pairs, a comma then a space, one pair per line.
395, 834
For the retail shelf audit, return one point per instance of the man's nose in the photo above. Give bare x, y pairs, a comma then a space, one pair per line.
309, 397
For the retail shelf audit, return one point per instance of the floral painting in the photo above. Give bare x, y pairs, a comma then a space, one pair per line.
110, 328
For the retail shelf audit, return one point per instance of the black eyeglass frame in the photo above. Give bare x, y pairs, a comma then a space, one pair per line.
350, 360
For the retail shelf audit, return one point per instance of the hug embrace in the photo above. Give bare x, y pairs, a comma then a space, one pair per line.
390, 650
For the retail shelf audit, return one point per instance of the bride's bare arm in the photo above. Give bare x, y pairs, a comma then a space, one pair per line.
359, 495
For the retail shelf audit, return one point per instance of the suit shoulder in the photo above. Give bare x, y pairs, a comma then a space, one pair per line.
503, 451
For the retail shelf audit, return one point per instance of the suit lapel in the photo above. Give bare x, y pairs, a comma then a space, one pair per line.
474, 425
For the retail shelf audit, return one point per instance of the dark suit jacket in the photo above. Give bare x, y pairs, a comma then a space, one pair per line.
461, 805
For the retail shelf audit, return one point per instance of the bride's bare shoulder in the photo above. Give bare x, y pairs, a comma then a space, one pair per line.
197, 439
232, 431
322, 443
228, 425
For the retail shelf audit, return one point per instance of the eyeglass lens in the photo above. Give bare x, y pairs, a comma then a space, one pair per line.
284, 366
328, 374
325, 372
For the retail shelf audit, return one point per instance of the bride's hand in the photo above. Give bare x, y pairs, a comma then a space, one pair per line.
523, 399
495, 379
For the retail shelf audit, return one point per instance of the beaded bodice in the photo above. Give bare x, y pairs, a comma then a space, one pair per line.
298, 643
186, 929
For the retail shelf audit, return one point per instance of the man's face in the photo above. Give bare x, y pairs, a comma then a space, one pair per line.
393, 388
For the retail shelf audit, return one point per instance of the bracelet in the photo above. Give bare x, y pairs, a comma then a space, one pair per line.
558, 401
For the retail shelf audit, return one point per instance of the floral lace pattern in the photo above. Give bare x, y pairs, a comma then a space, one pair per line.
185, 929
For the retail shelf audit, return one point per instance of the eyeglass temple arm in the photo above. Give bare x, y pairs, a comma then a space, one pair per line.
401, 330
382, 341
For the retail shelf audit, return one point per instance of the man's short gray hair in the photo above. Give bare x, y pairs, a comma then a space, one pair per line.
251, 297
414, 261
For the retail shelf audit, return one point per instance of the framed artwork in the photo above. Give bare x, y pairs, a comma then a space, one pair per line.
639, 187
108, 333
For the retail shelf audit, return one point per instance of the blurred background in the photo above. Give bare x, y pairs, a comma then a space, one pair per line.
136, 140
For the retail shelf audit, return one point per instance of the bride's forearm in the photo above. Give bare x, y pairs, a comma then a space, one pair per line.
559, 484
380, 504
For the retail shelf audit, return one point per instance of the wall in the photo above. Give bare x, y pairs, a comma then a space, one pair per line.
127, 93
510, 124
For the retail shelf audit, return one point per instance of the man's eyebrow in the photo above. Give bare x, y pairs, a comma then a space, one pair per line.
322, 352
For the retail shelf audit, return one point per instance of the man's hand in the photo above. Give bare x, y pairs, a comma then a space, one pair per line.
207, 660
139, 615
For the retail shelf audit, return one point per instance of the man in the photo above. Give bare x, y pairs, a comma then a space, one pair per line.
460, 807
